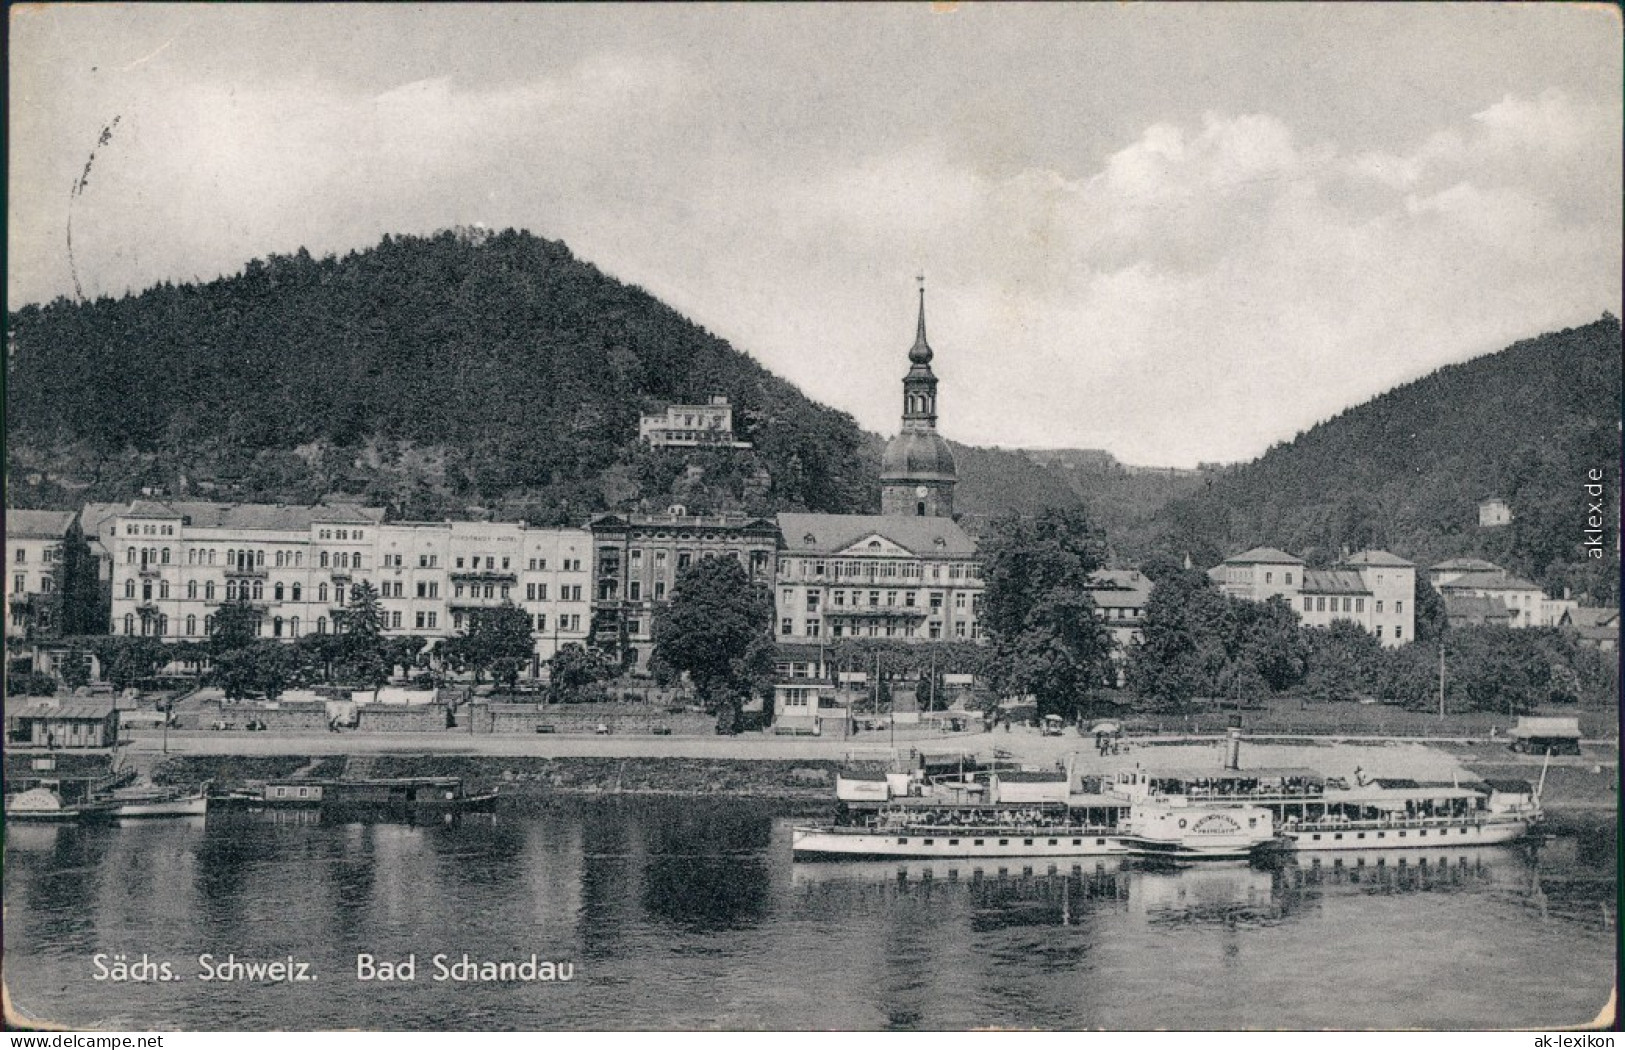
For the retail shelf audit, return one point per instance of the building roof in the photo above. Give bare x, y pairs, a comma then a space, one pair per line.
78, 710
37, 524
275, 517
1508, 785
832, 533
95, 515
1022, 776
1547, 726
1263, 556
1121, 579
1466, 565
918, 455
1108, 599
1378, 558
1582, 617
1472, 608
732, 522
1488, 581
1333, 581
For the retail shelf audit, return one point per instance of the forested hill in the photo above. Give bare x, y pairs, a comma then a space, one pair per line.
1406, 470
431, 375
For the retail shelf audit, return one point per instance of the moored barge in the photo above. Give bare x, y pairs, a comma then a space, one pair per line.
394, 796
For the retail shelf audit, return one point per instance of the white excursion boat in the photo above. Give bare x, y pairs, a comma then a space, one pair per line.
147, 804
1022, 814
1314, 812
44, 806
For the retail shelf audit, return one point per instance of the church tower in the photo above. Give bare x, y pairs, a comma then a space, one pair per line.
917, 474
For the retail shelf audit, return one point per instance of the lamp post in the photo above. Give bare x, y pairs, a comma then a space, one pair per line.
1441, 679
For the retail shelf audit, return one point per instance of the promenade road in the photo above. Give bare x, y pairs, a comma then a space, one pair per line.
1374, 758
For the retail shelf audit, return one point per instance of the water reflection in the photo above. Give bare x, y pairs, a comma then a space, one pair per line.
668, 906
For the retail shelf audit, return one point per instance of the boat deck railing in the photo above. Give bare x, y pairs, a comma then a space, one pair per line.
1386, 823
962, 830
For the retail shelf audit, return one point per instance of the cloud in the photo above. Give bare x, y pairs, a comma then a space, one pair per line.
1197, 290
1208, 286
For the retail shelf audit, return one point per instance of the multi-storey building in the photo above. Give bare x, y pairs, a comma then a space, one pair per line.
174, 564
1526, 604
636, 560
692, 426
875, 576
1120, 597
433, 575
1374, 589
33, 560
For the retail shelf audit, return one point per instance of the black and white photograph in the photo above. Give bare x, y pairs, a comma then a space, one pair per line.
915, 517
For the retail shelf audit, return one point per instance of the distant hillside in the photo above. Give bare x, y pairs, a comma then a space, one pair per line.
430, 375
1406, 470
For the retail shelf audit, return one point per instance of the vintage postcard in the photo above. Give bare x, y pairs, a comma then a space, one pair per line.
909, 517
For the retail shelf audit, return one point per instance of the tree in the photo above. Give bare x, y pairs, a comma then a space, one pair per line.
74, 667
1179, 656
236, 626
497, 640
82, 609
574, 668
1271, 644
127, 660
1047, 639
263, 669
1344, 662
1429, 608
713, 629
361, 621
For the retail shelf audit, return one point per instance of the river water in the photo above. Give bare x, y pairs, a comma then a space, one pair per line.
690, 915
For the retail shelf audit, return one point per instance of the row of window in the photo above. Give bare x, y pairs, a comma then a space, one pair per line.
19, 584
132, 529
890, 629
1318, 604
243, 559
910, 599
158, 626
246, 590
844, 569
609, 559
48, 555
340, 534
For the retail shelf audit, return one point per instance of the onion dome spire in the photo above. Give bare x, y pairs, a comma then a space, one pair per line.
920, 353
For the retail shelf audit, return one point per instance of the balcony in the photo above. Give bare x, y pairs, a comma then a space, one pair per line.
247, 572
485, 575
148, 572
875, 612
477, 603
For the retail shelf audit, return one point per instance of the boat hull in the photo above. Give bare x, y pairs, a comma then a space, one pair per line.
159, 808
66, 815
814, 844
1389, 837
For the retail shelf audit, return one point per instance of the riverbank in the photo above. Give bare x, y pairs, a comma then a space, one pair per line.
1584, 788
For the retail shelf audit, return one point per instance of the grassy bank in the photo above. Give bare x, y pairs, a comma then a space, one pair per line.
764, 778
1569, 788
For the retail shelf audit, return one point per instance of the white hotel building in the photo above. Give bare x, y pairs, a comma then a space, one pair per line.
174, 563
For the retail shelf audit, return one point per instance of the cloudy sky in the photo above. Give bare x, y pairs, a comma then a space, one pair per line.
1180, 233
